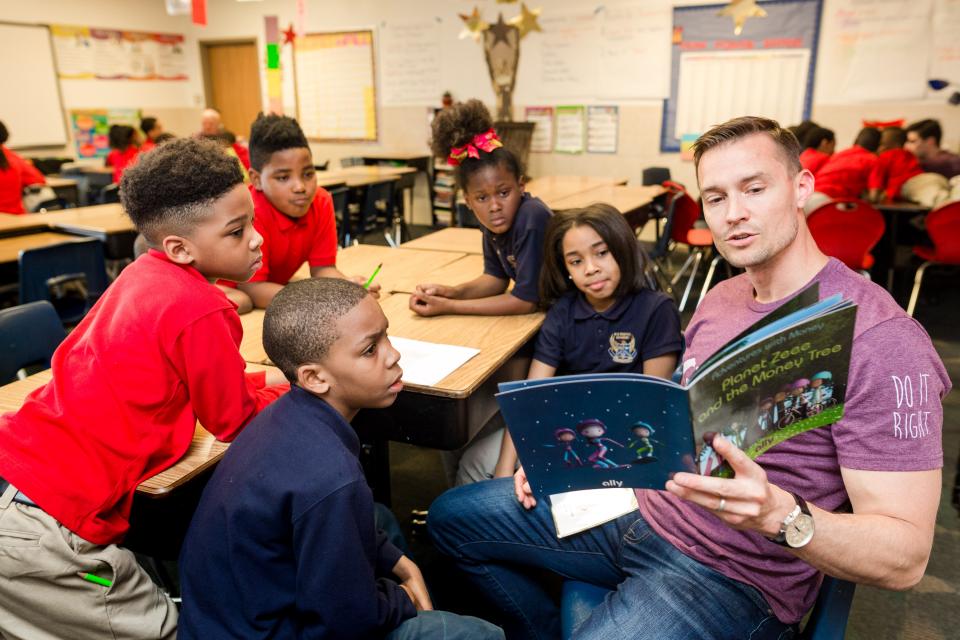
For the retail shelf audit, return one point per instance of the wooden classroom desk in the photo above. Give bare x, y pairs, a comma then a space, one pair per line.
450, 239
356, 177
632, 202
66, 188
204, 451
553, 188
12, 224
99, 221
462, 270
894, 213
10, 248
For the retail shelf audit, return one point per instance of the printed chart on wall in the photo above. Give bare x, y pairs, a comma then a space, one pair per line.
107, 54
767, 70
92, 126
542, 117
570, 127
336, 88
603, 124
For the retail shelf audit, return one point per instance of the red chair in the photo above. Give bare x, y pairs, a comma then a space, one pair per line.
847, 229
943, 227
684, 213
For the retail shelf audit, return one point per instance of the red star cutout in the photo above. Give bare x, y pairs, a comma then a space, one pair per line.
289, 35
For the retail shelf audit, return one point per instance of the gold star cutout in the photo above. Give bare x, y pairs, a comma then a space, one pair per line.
500, 31
506, 1
526, 21
740, 10
474, 25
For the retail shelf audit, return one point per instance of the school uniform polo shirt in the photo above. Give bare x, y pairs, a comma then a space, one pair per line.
518, 254
120, 160
575, 338
813, 160
288, 242
157, 353
893, 168
845, 174
13, 179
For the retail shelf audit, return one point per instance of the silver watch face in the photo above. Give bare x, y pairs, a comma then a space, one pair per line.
800, 531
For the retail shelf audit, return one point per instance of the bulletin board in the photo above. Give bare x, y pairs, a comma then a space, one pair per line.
334, 78
767, 70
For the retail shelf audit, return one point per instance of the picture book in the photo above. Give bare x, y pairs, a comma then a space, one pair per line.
783, 376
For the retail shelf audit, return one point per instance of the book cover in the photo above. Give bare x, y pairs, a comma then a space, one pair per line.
785, 375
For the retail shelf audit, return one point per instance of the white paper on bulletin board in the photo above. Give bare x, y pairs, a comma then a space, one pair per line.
570, 125
410, 63
715, 86
945, 58
335, 85
542, 140
603, 124
881, 50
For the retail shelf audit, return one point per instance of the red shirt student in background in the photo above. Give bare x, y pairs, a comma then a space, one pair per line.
157, 353
151, 129
15, 174
845, 174
818, 146
895, 165
124, 149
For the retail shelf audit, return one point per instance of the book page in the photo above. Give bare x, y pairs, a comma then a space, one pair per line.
577, 511
427, 363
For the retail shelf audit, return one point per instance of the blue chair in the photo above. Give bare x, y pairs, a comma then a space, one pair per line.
71, 275
29, 334
827, 621
377, 210
342, 214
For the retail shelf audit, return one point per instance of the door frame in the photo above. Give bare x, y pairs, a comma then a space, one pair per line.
205, 46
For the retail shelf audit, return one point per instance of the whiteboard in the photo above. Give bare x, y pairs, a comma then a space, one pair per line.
335, 86
30, 106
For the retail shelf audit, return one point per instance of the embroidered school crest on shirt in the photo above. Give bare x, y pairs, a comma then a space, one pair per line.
513, 261
623, 347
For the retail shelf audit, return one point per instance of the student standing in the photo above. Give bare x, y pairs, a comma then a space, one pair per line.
283, 543
293, 214
603, 318
15, 174
513, 221
157, 353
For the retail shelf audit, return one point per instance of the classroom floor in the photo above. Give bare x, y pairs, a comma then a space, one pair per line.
930, 611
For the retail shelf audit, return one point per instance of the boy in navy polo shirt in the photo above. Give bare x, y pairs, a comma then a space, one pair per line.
294, 215
491, 178
283, 543
157, 353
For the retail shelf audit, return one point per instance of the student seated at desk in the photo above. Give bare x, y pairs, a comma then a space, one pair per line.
818, 146
593, 279
845, 174
899, 176
124, 149
491, 178
157, 353
294, 215
15, 175
151, 129
283, 543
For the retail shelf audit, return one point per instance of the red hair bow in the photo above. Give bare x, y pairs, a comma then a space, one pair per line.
486, 141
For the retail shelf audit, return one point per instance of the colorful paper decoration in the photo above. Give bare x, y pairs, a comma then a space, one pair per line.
740, 10
526, 21
475, 26
199, 12
289, 35
274, 73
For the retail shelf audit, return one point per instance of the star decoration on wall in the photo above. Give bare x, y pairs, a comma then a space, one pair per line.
527, 20
475, 25
289, 34
500, 31
740, 10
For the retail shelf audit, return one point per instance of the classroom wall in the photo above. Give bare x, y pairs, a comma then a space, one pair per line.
404, 129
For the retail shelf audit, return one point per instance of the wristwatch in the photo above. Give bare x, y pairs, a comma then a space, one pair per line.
797, 528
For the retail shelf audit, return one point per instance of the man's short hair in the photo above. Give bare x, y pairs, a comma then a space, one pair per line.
272, 133
300, 324
171, 189
744, 126
927, 129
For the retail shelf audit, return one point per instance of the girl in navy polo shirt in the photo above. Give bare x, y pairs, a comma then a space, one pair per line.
603, 317
514, 222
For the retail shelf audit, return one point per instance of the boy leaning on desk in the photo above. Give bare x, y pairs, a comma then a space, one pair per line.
283, 543
155, 354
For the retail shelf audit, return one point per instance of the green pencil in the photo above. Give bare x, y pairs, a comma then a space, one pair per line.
89, 577
372, 276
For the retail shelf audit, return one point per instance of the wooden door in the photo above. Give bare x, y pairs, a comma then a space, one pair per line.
233, 84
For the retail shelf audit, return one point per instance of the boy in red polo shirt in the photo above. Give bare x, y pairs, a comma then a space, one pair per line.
845, 174
15, 174
155, 354
818, 146
294, 215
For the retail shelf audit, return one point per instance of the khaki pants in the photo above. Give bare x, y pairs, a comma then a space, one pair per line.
42, 596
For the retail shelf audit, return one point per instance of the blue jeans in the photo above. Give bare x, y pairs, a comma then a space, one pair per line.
443, 625
659, 592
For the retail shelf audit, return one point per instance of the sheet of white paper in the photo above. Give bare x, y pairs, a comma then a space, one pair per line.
578, 511
427, 363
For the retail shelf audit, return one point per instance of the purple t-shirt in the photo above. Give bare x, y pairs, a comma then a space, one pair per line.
892, 422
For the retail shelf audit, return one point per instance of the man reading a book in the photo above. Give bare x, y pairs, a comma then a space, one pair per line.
741, 557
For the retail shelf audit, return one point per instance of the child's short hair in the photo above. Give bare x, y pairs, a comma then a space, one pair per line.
456, 126
817, 135
120, 136
270, 133
893, 137
170, 189
611, 226
4, 134
300, 324
166, 136
147, 124
869, 139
